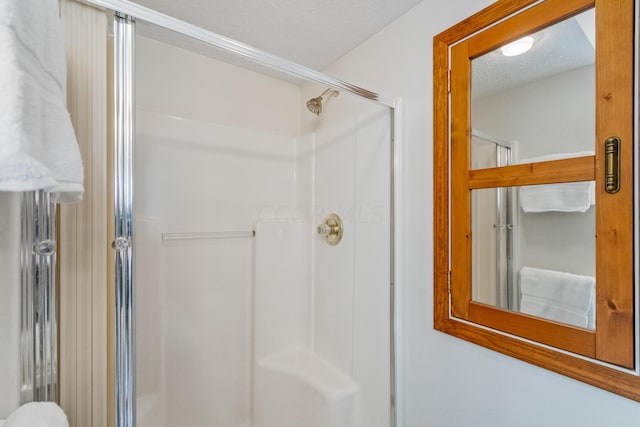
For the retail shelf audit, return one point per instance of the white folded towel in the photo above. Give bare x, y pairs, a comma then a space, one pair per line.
38, 148
566, 197
37, 414
555, 295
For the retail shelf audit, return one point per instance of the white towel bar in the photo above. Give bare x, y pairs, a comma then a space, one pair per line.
209, 235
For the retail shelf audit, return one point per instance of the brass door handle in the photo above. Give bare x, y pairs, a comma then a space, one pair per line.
612, 165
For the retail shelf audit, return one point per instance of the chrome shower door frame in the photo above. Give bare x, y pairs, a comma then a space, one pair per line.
39, 323
123, 36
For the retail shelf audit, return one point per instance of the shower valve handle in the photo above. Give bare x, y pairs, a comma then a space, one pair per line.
326, 230
331, 229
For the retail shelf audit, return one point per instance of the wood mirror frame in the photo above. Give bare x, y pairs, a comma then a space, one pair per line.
605, 357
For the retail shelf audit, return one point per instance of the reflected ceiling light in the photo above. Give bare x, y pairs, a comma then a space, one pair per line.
517, 47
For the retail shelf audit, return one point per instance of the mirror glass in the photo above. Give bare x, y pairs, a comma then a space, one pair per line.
534, 250
534, 246
536, 96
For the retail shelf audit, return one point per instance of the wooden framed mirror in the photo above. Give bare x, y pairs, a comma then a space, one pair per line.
534, 186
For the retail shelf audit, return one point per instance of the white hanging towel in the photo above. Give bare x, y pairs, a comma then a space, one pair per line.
566, 197
38, 147
37, 414
555, 295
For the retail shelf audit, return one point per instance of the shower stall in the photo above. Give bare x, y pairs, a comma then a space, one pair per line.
254, 236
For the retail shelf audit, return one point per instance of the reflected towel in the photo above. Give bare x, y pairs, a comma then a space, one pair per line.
555, 295
37, 414
38, 148
566, 197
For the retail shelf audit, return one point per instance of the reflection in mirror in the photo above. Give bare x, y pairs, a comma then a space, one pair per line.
542, 100
493, 244
534, 250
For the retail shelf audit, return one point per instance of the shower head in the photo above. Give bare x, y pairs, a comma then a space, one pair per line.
315, 104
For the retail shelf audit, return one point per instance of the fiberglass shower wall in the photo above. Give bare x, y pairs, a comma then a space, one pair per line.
344, 167
278, 328
215, 145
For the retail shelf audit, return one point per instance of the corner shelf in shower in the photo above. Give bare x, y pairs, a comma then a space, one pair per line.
312, 370
300, 388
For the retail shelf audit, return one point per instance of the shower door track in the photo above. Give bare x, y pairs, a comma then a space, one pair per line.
124, 34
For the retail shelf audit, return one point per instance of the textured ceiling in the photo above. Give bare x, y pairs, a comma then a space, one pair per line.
557, 49
310, 32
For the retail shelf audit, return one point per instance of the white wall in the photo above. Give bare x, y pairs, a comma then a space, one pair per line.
450, 382
541, 115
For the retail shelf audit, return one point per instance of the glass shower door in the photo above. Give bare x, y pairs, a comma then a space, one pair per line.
244, 315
